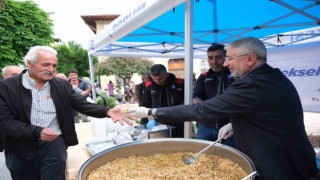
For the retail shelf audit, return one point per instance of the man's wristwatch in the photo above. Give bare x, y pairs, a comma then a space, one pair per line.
150, 112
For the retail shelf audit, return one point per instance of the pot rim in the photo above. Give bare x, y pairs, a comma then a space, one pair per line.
159, 140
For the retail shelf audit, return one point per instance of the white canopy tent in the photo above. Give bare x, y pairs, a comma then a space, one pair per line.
269, 19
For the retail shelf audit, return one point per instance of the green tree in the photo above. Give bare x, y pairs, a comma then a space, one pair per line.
73, 56
123, 67
22, 25
2, 2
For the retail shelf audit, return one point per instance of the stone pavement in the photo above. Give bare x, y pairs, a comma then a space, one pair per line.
4, 173
312, 123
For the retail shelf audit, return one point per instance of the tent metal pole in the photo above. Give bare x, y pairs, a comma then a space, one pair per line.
188, 69
92, 79
215, 20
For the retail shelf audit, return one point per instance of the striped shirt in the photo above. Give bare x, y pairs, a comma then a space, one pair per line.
43, 111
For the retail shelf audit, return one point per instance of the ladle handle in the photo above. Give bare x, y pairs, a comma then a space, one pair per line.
253, 174
218, 140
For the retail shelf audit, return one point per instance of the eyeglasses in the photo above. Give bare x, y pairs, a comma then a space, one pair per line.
230, 58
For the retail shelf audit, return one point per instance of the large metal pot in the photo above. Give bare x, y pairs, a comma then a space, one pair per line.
164, 145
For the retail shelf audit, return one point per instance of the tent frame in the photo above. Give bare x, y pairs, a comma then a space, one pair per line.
103, 43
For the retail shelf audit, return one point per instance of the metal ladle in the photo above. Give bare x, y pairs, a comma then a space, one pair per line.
189, 159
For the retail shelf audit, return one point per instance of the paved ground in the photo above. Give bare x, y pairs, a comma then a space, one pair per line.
312, 124
4, 173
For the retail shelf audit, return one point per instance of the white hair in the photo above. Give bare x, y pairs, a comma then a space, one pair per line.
6, 67
250, 45
33, 53
4, 70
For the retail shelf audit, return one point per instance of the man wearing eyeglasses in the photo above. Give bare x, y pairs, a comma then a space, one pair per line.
265, 112
210, 84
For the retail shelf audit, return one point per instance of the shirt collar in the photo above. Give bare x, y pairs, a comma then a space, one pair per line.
29, 83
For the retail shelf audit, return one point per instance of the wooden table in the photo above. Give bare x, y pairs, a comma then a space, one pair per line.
77, 155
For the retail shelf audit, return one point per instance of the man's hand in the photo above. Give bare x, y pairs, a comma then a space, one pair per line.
47, 135
226, 131
151, 123
196, 100
89, 90
117, 115
86, 92
137, 112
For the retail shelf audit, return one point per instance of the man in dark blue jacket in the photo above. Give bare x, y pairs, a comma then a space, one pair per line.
165, 90
265, 112
76, 82
36, 120
79, 86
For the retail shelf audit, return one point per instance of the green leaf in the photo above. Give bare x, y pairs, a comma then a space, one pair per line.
22, 25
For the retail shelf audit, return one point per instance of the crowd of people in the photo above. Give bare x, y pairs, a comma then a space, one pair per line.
252, 106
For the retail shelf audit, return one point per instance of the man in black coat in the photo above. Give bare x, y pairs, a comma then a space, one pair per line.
265, 112
36, 120
8, 72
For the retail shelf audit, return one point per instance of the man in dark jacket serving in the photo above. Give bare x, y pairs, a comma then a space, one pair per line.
265, 112
164, 90
36, 120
